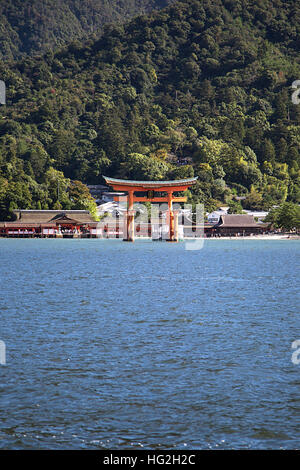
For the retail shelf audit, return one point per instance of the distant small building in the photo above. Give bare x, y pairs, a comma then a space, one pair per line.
113, 208
109, 196
49, 223
239, 224
259, 215
97, 190
214, 217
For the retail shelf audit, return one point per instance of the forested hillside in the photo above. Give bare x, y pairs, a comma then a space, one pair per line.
201, 87
33, 26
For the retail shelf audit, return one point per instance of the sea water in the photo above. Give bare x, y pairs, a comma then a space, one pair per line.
112, 345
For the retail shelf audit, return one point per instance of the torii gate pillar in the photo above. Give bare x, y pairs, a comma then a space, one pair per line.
173, 220
129, 219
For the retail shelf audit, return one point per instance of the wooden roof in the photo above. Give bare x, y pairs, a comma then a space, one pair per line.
149, 184
18, 225
63, 219
54, 216
237, 220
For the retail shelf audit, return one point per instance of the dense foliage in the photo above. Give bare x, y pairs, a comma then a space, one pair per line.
286, 216
33, 26
201, 87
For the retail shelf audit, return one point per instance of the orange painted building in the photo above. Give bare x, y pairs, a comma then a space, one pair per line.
49, 223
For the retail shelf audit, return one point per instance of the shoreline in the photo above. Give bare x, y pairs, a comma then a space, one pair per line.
253, 237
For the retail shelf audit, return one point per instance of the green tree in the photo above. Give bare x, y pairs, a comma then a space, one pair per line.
235, 207
286, 216
82, 199
138, 166
253, 200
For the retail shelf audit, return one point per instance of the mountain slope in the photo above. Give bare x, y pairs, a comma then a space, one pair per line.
201, 87
31, 27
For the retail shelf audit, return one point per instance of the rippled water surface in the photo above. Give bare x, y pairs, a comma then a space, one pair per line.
116, 345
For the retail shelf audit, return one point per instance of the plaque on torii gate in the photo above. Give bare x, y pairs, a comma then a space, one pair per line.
150, 188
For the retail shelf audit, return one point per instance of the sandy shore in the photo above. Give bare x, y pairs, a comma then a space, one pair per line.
253, 237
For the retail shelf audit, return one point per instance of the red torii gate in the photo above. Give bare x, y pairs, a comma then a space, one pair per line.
151, 187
